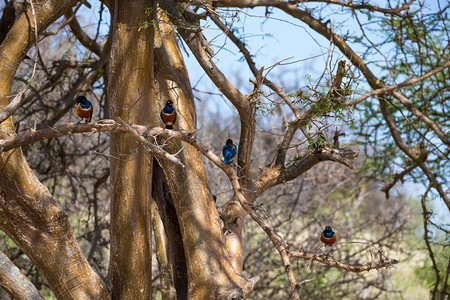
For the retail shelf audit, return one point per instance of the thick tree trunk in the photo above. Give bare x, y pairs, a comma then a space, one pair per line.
131, 98
210, 273
29, 214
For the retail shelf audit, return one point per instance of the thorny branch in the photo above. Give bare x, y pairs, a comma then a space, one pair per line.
390, 88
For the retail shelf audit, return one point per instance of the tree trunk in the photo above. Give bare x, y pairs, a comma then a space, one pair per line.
29, 214
210, 273
131, 97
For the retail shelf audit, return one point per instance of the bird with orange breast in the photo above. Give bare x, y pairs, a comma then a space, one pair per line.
85, 110
328, 237
169, 115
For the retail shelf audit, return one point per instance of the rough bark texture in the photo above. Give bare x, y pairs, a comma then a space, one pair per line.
29, 214
15, 282
210, 274
166, 277
174, 247
131, 94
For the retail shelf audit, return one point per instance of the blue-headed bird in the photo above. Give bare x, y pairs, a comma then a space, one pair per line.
85, 110
328, 237
169, 115
229, 151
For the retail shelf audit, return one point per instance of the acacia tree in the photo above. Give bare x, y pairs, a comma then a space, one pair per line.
199, 249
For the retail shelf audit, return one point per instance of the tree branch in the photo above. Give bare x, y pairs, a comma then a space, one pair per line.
191, 34
390, 122
70, 128
364, 6
157, 151
14, 282
84, 39
390, 88
300, 165
333, 263
426, 216
13, 105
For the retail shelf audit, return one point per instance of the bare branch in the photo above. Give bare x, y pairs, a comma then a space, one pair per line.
336, 264
191, 34
70, 128
13, 105
426, 216
13, 281
364, 6
157, 151
397, 177
390, 122
279, 174
80, 34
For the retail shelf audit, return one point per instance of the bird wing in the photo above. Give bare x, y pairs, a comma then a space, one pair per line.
233, 151
92, 113
162, 118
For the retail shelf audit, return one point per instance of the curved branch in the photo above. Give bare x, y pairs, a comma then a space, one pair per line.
193, 37
84, 39
390, 88
280, 174
426, 216
390, 122
364, 6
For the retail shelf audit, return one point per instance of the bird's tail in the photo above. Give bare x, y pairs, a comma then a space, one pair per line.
227, 159
169, 126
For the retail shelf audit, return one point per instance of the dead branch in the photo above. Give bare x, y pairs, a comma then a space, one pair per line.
13, 105
71, 128
333, 263
157, 151
84, 39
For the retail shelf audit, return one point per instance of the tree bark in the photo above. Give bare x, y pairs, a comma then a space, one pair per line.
131, 97
210, 273
29, 214
166, 266
15, 282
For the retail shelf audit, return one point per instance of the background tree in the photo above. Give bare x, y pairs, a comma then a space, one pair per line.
89, 234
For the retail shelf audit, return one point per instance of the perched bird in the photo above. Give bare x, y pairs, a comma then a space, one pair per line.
85, 110
328, 236
169, 115
229, 151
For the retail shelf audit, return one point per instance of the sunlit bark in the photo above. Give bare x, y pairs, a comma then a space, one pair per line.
166, 277
210, 274
131, 98
29, 214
